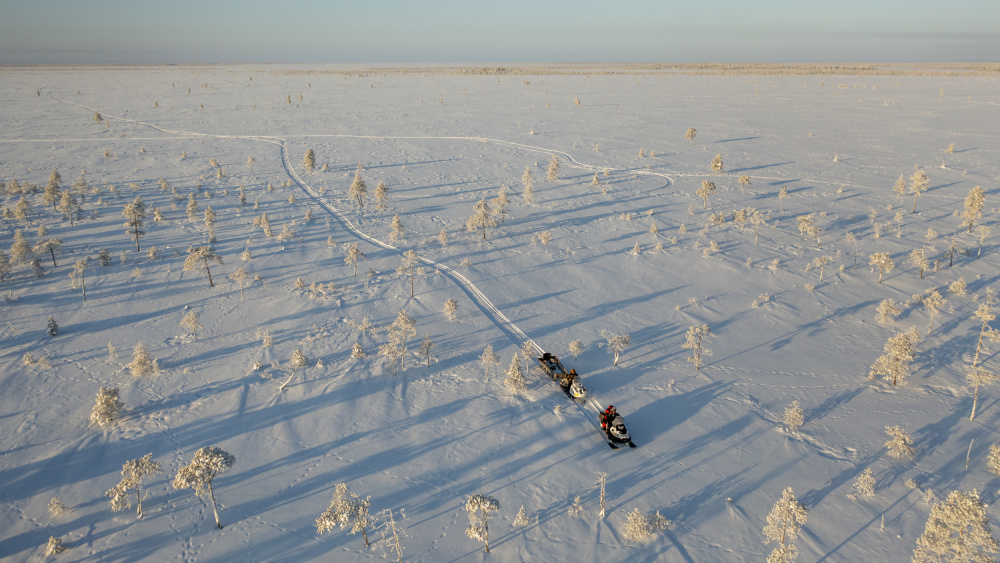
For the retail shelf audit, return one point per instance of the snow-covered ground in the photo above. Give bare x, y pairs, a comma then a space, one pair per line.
713, 454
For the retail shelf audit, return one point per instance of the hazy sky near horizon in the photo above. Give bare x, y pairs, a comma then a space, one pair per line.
469, 31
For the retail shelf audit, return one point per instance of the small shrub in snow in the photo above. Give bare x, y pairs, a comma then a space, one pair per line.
57, 507
521, 520
479, 507
55, 546
717, 165
637, 526
576, 508
900, 444
794, 417
52, 329
553, 170
576, 348
191, 323
864, 485
958, 288
107, 408
358, 352
199, 474
346, 509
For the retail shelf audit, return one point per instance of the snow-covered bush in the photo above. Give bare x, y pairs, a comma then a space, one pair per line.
52, 329
794, 417
576, 508
55, 546
637, 526
887, 312
107, 408
479, 507
521, 520
346, 509
191, 323
142, 363
208, 462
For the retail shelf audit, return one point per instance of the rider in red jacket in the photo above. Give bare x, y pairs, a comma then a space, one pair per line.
607, 416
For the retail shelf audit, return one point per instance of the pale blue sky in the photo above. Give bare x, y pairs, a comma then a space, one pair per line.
366, 31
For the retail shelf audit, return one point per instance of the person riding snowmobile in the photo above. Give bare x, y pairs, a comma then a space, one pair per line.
607, 416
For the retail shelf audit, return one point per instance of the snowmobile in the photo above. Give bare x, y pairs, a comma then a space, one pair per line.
616, 431
569, 382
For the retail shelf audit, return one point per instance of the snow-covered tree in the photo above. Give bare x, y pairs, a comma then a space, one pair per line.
443, 238
55, 546
894, 365
240, 278
397, 232
705, 191
821, 262
134, 213
52, 329
451, 309
808, 227
264, 223
521, 520
933, 302
357, 352
52, 190
401, 330
500, 203
479, 507
515, 381
637, 526
426, 345
79, 270
358, 189
286, 233
529, 193
883, 261
617, 343
993, 460
918, 185
986, 315
553, 171
210, 223
482, 217
142, 363
692, 341
266, 340
20, 250
958, 529
489, 360
864, 485
390, 534
354, 255
48, 246
191, 323
576, 348
107, 407
690, 135
900, 444
983, 232
192, 207
794, 417
974, 203
958, 287
979, 377
717, 165
900, 186
134, 472
783, 524
744, 181
309, 160
346, 509
782, 196
408, 266
68, 206
918, 258
576, 508
381, 197
886, 312
545, 237
5, 266
199, 257
208, 462
297, 362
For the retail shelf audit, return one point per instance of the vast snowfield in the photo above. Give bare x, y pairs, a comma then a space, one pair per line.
713, 452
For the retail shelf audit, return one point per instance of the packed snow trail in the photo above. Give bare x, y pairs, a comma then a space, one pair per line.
506, 326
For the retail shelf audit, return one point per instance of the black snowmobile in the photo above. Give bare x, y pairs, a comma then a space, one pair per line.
615, 429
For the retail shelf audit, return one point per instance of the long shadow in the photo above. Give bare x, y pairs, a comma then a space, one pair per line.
736, 170
737, 139
659, 417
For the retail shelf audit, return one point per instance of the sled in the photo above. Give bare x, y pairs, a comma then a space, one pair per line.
572, 386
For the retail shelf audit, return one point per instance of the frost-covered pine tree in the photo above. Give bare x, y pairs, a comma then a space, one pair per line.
208, 462
782, 196
974, 203
883, 262
408, 266
979, 377
900, 444
958, 529
358, 189
353, 256
993, 460
107, 408
346, 509
381, 197
918, 185
266, 340
210, 223
52, 329
68, 206
397, 232
5, 266
864, 486
821, 262
521, 520
479, 507
20, 250
717, 165
794, 417
886, 312
482, 217
134, 472
451, 309
190, 322
693, 341
576, 508
489, 360
55, 546
443, 238
983, 232
744, 181
79, 271
545, 237
529, 193
142, 363
357, 352
199, 258
286, 233
933, 302
918, 258
240, 278
515, 381
783, 524
690, 135
134, 213
705, 191
617, 343
309, 160
958, 288
894, 364
426, 345
192, 207
986, 315
900, 186
52, 190
808, 227
401, 330
553, 171
500, 203
264, 223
